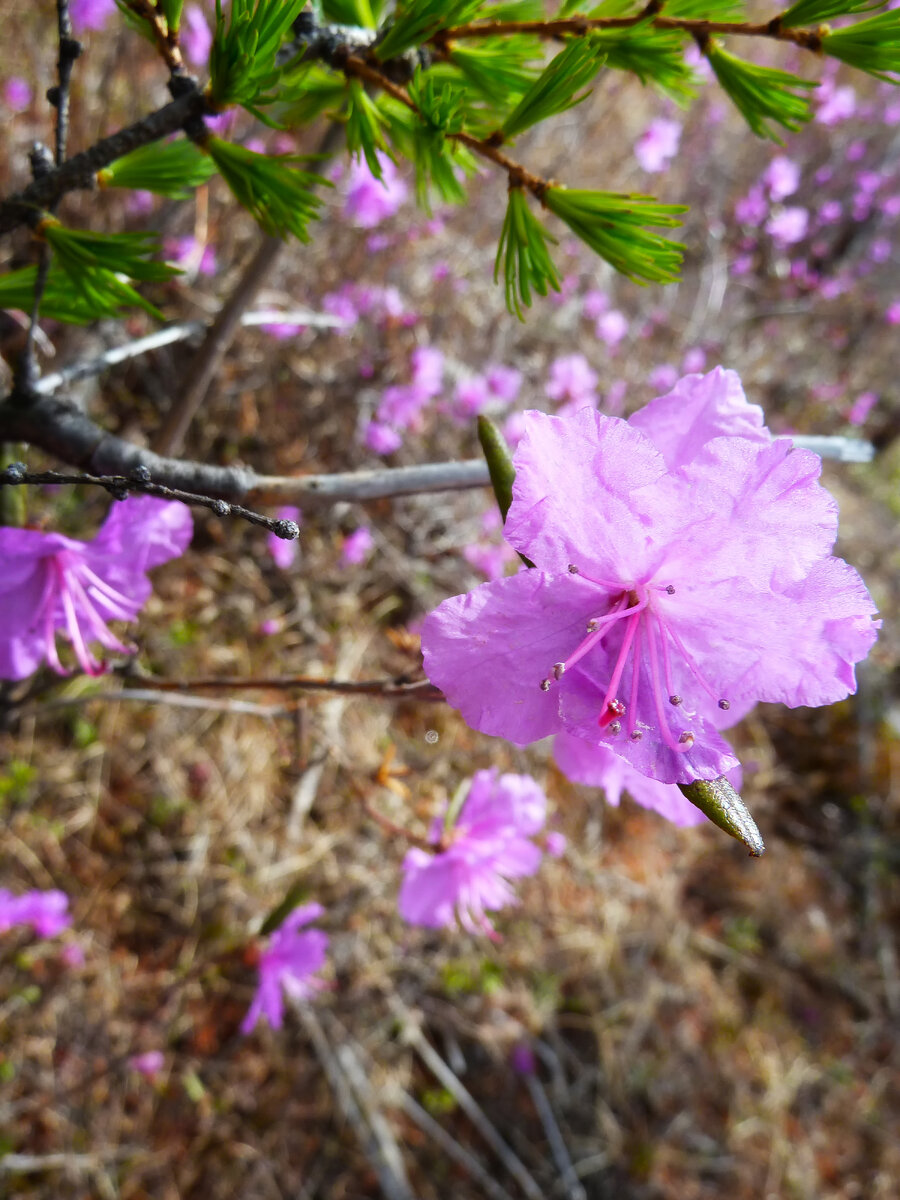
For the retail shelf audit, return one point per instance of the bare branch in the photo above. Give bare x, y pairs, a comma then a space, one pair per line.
400, 688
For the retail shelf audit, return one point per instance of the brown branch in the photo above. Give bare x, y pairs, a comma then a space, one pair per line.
166, 40
400, 688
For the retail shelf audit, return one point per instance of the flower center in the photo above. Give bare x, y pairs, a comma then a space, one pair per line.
646, 632
69, 599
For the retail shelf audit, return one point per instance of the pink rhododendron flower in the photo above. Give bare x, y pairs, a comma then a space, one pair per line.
658, 144
17, 93
381, 439
861, 407
752, 208
90, 14
555, 844
663, 377
514, 428
149, 1064
288, 965
196, 36
595, 304
611, 327
892, 313
490, 559
340, 304
427, 364
836, 104
51, 583
572, 379
683, 569
369, 200
191, 255
504, 383
284, 552
401, 404
781, 177
357, 547
472, 397
694, 360
788, 226
46, 912
488, 845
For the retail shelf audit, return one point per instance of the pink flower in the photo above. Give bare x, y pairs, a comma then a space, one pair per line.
381, 439
752, 208
357, 547
369, 200
271, 626
514, 428
694, 360
491, 560
51, 583
572, 379
611, 327
472, 397
282, 330
340, 304
835, 104
487, 846
658, 144
892, 313
149, 1064
555, 844
90, 14
861, 407
830, 212
683, 569
284, 552
781, 177
191, 255
288, 965
788, 226
504, 383
427, 363
196, 36
663, 377
595, 304
17, 94
46, 912
401, 404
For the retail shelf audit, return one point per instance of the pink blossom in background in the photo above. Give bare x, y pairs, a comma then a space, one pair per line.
615, 397
504, 383
856, 151
340, 304
72, 955
369, 200
288, 965
835, 104
824, 175
752, 208
472, 396
17, 94
830, 212
46, 912
149, 1064
427, 366
572, 378
282, 330
663, 377
256, 144
781, 177
357, 547
51, 584
381, 439
742, 265
869, 181
658, 144
90, 14
489, 845
284, 552
788, 226
611, 327
861, 407
522, 1059
401, 405
196, 35
189, 254
270, 626
223, 123
694, 361
683, 570
880, 250
892, 313
555, 844
376, 242
514, 428
490, 560
568, 286
440, 270
595, 303
141, 201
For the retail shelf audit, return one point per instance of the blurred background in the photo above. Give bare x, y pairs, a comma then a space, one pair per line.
663, 1017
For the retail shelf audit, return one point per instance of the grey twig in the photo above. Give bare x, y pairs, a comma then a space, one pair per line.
220, 334
145, 696
466, 1102
119, 486
452, 1147
568, 1179
392, 689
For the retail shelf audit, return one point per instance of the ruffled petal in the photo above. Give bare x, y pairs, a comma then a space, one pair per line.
142, 532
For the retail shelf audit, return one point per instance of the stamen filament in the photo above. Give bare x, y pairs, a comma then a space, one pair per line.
657, 699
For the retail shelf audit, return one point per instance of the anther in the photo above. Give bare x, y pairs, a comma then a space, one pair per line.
724, 705
572, 569
559, 670
545, 685
592, 625
615, 727
636, 735
615, 708
670, 588
675, 700
687, 738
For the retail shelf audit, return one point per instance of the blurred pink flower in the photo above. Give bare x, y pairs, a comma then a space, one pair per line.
472, 396
611, 327
427, 364
572, 378
663, 377
46, 912
196, 36
595, 303
514, 428
830, 212
357, 546
835, 104
487, 845
191, 255
781, 177
490, 559
694, 361
861, 407
788, 226
90, 14
555, 844
72, 955
285, 552
17, 93
504, 383
369, 200
381, 439
271, 626
401, 405
341, 304
288, 965
892, 313
658, 144
752, 208
615, 398
282, 330
54, 584
149, 1064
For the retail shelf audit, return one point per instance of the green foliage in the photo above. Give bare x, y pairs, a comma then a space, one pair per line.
656, 56
171, 10
523, 251
136, 22
706, 10
15, 783
762, 94
415, 21
813, 12
514, 10
95, 262
242, 66
438, 159
365, 127
554, 90
615, 227
872, 46
308, 91
59, 301
350, 12
271, 187
499, 69
170, 169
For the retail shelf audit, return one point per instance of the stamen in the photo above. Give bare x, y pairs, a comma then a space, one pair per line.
636, 735
677, 747
609, 699
670, 589
545, 685
615, 727
559, 670
95, 622
615, 708
686, 739
724, 705
691, 665
121, 608
676, 700
599, 629
88, 663
635, 678
572, 569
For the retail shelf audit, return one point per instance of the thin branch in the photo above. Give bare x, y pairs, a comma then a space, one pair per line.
166, 41
147, 696
209, 357
25, 207
119, 486
400, 688
184, 331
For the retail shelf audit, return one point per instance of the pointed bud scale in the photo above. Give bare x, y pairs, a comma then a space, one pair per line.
718, 800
